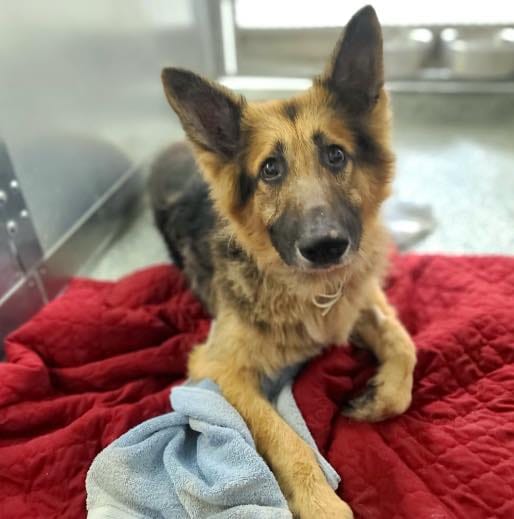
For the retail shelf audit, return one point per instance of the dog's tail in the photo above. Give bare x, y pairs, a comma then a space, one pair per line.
170, 172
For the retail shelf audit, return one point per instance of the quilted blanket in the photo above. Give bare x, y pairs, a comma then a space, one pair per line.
103, 357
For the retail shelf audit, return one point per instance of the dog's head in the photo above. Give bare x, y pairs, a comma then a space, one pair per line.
300, 181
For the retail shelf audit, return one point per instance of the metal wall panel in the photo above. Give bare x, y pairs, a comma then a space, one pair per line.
80, 94
81, 111
19, 247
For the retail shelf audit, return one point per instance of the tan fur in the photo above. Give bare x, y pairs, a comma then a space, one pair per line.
236, 355
381, 332
266, 124
292, 461
265, 316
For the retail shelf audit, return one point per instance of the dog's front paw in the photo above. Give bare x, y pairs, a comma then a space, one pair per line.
383, 398
322, 503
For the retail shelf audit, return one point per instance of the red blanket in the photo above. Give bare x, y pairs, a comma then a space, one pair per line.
102, 358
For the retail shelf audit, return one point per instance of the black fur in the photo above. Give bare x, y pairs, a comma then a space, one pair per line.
185, 216
210, 115
292, 225
246, 187
368, 150
357, 73
291, 111
364, 398
283, 234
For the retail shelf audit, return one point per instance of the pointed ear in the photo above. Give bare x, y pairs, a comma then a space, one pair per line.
210, 114
356, 73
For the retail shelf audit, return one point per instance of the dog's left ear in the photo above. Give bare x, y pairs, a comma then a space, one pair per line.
356, 73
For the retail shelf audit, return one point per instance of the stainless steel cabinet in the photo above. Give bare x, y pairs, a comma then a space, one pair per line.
81, 110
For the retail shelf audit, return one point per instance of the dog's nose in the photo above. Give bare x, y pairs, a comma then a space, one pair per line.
323, 250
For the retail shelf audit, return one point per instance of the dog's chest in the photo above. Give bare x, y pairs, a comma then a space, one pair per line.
332, 327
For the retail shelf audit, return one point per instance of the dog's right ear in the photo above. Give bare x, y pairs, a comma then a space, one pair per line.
210, 114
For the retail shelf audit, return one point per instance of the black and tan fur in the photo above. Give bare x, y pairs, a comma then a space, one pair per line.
261, 243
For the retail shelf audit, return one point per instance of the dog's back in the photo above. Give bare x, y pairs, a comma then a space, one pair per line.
170, 173
184, 215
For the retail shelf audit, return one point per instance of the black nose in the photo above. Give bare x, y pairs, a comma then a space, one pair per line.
324, 250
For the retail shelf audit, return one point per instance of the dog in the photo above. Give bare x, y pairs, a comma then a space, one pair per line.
272, 212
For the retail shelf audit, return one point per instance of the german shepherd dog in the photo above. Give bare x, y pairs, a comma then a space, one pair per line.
272, 212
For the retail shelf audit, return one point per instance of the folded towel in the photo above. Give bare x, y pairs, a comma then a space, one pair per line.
197, 461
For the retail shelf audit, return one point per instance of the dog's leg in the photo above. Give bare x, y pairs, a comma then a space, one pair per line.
290, 458
389, 392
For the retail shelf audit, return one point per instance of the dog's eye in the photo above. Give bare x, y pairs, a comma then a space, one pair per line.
271, 169
335, 156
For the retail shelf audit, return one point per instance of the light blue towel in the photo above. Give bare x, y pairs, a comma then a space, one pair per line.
197, 461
